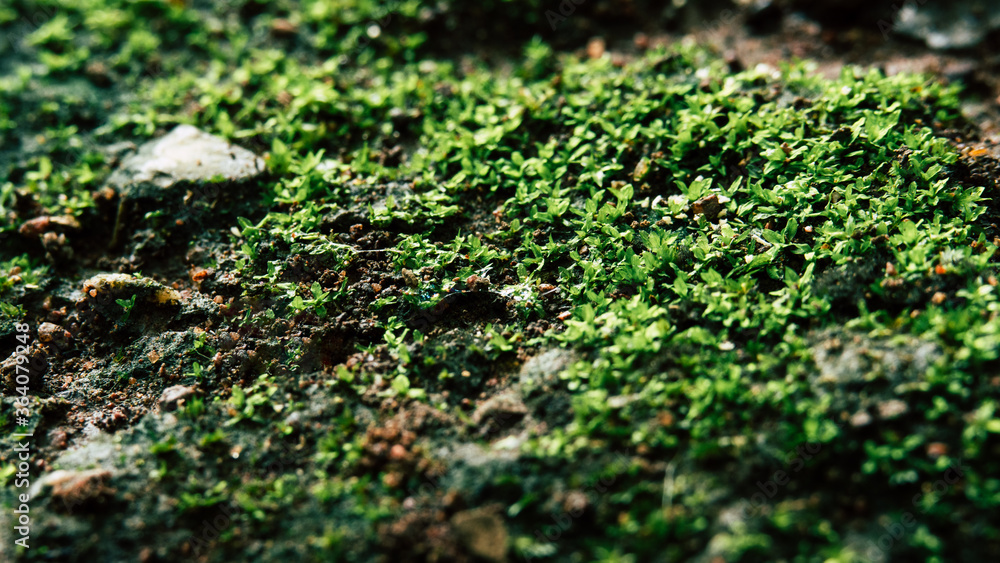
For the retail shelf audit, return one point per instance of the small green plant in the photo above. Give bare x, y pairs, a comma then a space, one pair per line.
20, 270
196, 371
126, 305
317, 303
247, 404
201, 348
9, 310
194, 408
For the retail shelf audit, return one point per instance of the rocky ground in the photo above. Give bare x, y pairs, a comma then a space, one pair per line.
499, 281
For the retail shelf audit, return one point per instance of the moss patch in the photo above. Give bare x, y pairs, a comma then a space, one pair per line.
608, 309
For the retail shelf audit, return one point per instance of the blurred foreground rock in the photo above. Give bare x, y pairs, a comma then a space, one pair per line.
949, 25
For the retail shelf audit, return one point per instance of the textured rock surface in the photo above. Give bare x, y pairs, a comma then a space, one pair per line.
185, 154
544, 368
173, 397
123, 285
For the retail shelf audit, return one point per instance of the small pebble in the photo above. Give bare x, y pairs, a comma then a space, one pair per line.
596, 48
397, 452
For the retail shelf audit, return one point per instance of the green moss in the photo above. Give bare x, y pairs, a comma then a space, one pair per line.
744, 266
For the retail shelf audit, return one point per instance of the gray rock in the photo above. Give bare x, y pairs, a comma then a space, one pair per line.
949, 25
185, 154
862, 374
171, 397
854, 359
501, 410
546, 367
97, 451
118, 151
476, 456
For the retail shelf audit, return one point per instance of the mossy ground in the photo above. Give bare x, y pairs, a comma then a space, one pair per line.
651, 307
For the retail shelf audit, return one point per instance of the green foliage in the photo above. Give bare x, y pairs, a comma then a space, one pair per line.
21, 269
126, 305
248, 405
317, 302
711, 247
